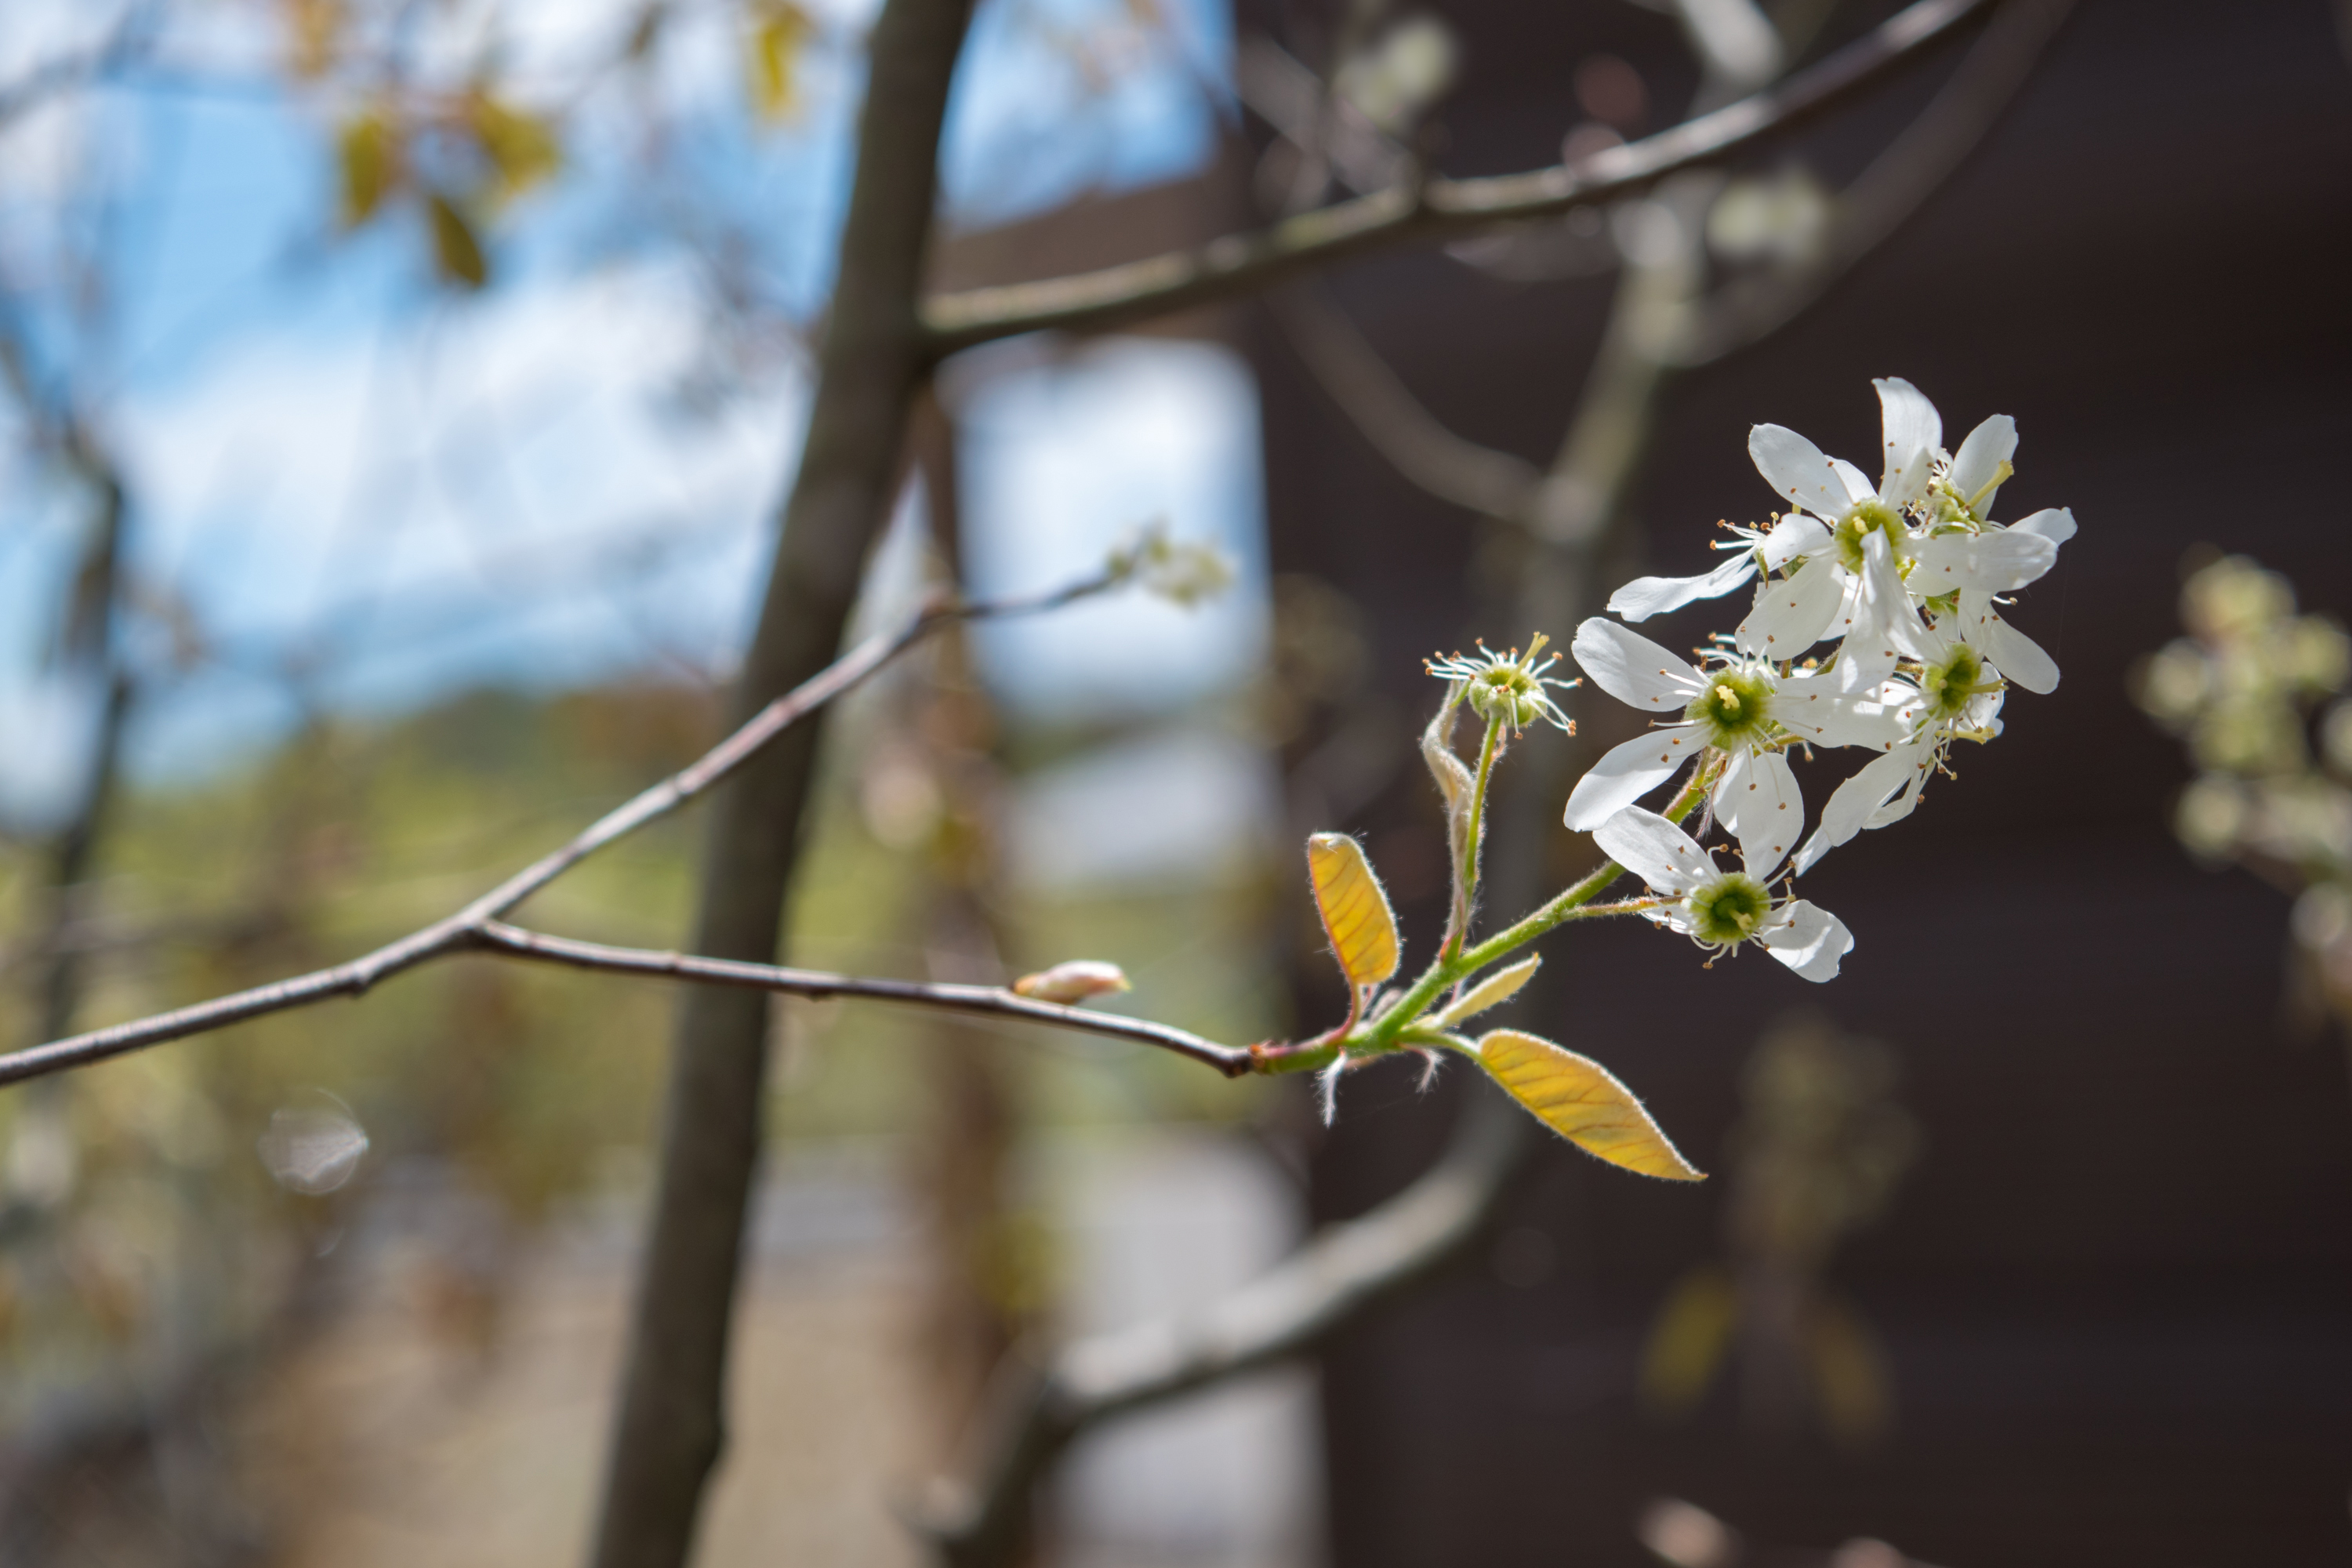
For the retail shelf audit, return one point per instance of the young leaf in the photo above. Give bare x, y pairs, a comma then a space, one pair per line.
1578, 1099
1850, 1376
1688, 1340
455, 249
314, 32
370, 154
521, 147
1355, 910
1492, 991
774, 43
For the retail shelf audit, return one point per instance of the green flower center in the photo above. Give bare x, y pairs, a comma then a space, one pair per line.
1855, 530
1734, 708
1728, 910
1507, 692
1951, 682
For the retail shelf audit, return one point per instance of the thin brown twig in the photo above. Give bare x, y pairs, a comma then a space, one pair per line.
1891, 188
1504, 487
1439, 208
463, 930
498, 937
1492, 483
1331, 1280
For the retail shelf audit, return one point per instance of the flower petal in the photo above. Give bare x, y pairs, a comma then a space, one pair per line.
1807, 939
1633, 669
1818, 707
1794, 612
1907, 800
2054, 523
1655, 850
1877, 621
1858, 488
2014, 653
1999, 562
1758, 800
1849, 810
1794, 535
1627, 773
1647, 596
1978, 462
1912, 433
1796, 469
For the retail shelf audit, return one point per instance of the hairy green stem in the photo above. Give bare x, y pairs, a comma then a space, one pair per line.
1387, 1030
1466, 874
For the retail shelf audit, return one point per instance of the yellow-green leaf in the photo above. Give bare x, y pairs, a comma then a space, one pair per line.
455, 251
314, 32
1850, 1376
1578, 1099
1688, 1340
775, 41
1492, 991
521, 147
1354, 908
369, 149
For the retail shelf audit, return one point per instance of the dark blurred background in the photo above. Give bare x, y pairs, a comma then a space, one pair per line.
344, 564
2113, 1289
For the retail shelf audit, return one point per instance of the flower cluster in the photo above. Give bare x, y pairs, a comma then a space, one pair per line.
2249, 691
1902, 581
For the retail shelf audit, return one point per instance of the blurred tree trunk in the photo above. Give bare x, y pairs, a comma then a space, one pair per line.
979, 1287
870, 365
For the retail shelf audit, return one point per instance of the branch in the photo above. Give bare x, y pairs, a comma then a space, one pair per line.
1892, 187
465, 929
1351, 372
63, 73
1344, 1271
496, 937
1239, 263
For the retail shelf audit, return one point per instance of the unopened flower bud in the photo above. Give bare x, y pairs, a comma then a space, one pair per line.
1073, 982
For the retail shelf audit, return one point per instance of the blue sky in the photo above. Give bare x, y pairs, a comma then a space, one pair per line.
340, 465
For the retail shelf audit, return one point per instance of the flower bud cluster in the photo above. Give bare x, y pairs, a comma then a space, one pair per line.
1899, 584
2259, 695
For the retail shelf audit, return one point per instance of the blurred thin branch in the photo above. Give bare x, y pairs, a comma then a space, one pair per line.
1334, 1278
1504, 487
496, 937
1439, 208
465, 930
1477, 478
1892, 187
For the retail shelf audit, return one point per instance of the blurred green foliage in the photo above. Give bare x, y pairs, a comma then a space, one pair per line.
141, 1232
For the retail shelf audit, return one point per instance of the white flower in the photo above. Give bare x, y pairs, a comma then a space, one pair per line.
1771, 549
1508, 687
1837, 506
1930, 510
1720, 910
1954, 694
1745, 708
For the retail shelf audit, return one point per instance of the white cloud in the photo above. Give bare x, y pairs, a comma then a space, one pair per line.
498, 490
1062, 461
